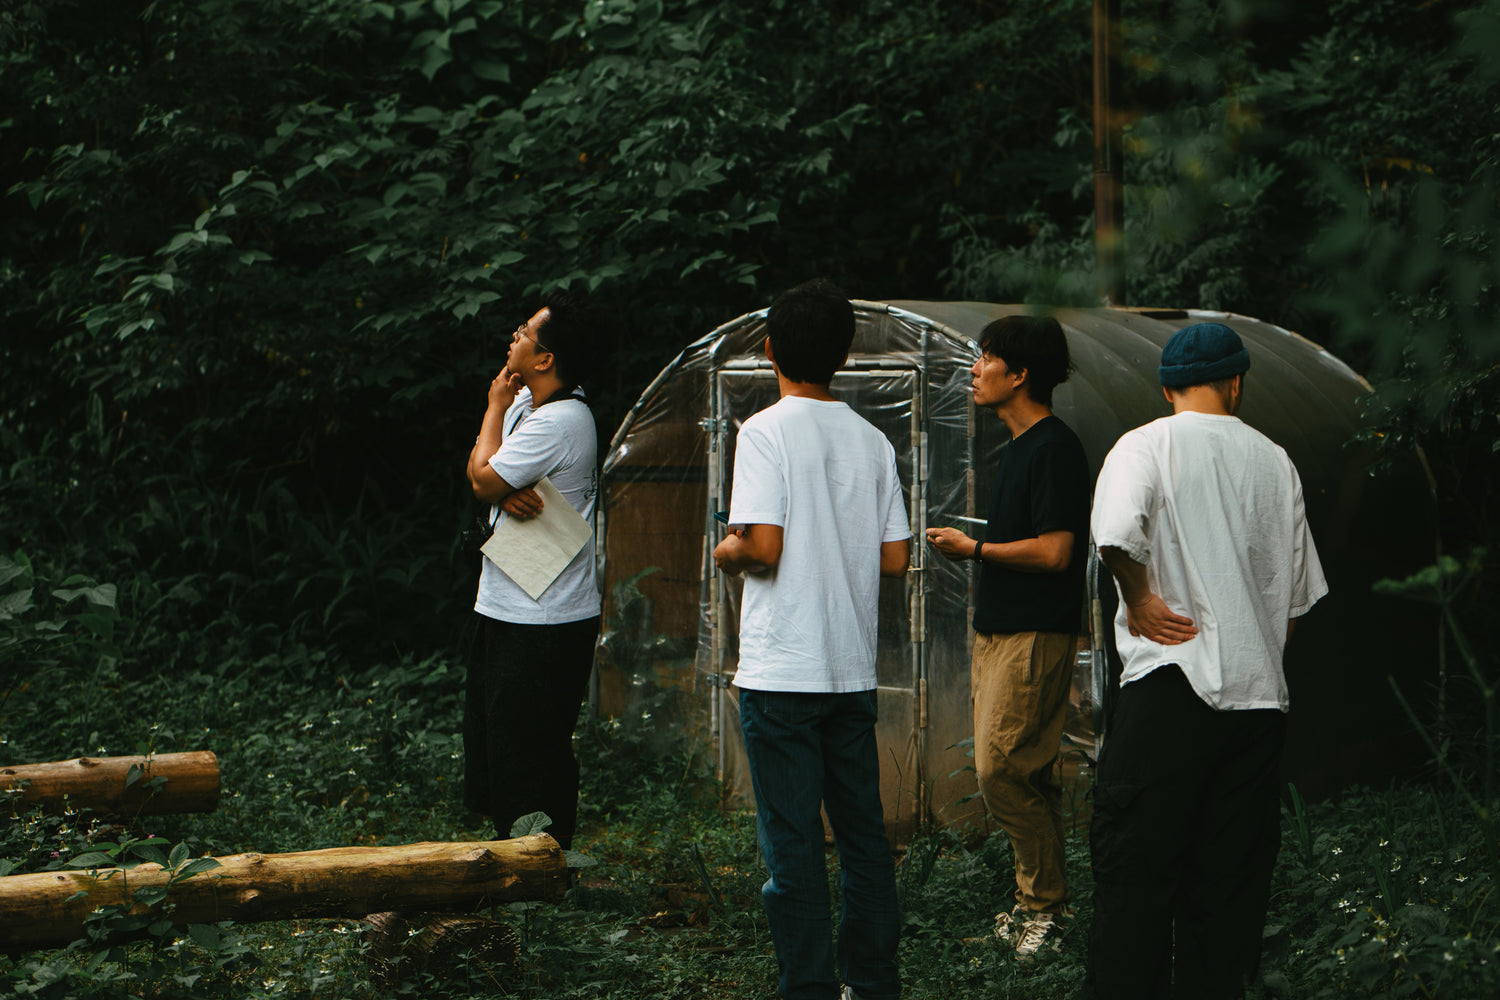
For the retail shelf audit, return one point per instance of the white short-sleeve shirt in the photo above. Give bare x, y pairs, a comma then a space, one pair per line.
1213, 509
828, 478
556, 440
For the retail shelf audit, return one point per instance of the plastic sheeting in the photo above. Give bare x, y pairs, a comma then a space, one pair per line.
671, 621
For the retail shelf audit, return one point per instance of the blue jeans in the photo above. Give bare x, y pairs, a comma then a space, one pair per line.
807, 750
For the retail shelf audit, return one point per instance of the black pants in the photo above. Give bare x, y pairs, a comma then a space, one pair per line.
1184, 837
526, 683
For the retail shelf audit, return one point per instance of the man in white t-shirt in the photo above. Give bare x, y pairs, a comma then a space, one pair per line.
534, 657
1200, 520
817, 518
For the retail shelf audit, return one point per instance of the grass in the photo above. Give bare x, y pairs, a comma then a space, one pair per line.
1381, 893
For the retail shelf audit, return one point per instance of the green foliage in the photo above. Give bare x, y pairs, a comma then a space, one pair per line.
1380, 903
1412, 278
1444, 584
1372, 896
259, 251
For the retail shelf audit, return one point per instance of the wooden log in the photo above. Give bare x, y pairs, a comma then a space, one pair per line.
122, 786
38, 911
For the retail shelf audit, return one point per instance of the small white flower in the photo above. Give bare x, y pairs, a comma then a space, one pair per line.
1383, 841
1338, 850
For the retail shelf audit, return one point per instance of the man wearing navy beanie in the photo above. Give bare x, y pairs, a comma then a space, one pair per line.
1200, 520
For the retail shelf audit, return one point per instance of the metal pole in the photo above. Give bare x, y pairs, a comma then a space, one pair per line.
1108, 170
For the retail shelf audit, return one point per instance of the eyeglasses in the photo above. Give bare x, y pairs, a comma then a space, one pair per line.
521, 332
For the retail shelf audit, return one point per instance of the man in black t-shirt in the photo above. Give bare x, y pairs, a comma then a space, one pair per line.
1027, 613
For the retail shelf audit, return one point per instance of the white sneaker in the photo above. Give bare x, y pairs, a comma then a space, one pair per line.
1008, 925
1028, 931
1042, 931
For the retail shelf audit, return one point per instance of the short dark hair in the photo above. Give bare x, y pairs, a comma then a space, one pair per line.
1035, 343
811, 328
576, 333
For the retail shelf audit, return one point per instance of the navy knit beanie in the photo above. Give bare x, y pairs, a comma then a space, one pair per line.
1203, 352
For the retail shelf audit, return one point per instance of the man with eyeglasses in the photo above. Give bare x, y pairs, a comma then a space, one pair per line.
533, 657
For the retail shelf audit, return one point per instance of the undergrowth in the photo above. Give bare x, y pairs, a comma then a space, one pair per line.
1380, 893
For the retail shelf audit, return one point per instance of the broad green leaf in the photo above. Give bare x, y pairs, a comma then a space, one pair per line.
91, 859
15, 603
205, 936
151, 854
424, 115
536, 822
150, 895
489, 69
102, 626
103, 595
197, 866
436, 58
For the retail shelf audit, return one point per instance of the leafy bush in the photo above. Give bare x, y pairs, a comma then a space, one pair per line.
1379, 893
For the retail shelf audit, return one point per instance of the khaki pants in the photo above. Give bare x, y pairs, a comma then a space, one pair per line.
1020, 683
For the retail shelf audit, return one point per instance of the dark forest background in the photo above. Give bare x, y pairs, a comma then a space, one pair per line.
260, 259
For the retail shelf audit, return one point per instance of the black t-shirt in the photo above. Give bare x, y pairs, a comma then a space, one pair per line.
1041, 484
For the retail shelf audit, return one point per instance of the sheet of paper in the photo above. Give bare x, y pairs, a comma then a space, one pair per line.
532, 552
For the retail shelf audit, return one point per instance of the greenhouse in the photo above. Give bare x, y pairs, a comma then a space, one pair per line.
671, 620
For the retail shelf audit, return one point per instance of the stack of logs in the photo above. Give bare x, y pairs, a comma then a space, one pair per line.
397, 890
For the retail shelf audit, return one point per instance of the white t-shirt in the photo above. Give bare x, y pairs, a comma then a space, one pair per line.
1213, 509
828, 479
557, 440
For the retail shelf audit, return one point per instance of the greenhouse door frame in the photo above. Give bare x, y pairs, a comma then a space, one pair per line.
720, 427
